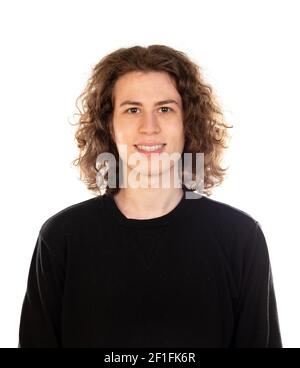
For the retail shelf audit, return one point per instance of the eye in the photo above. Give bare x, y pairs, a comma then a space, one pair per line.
134, 108
131, 108
166, 107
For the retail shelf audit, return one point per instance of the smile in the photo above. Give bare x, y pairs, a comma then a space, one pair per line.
150, 149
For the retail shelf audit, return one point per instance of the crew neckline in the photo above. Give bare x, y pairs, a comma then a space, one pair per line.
163, 220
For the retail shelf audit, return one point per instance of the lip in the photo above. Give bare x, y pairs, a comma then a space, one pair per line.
151, 152
150, 144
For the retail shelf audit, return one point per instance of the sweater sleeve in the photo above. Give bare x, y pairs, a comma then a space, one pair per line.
257, 324
41, 310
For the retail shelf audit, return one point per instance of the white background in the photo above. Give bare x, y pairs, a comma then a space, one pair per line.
248, 51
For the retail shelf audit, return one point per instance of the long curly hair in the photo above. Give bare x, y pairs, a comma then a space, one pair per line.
204, 127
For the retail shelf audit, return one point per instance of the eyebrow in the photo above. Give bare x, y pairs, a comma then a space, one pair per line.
165, 102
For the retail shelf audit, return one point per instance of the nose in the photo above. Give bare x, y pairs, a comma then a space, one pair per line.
149, 124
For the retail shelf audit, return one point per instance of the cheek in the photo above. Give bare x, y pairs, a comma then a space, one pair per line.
124, 130
122, 135
177, 135
124, 142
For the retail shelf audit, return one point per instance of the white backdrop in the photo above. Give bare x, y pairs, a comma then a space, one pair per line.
248, 51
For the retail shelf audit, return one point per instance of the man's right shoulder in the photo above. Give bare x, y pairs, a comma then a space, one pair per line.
71, 218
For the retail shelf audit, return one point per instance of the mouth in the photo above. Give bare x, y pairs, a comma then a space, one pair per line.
148, 149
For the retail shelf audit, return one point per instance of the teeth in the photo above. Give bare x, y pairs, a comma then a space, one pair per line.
150, 148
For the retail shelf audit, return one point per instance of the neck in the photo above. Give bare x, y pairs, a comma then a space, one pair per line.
147, 201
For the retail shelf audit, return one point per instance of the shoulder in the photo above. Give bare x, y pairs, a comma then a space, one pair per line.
71, 219
237, 231
221, 214
240, 234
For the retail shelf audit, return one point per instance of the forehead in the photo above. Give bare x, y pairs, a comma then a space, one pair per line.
151, 84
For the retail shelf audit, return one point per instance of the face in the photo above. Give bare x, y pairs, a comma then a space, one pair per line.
147, 111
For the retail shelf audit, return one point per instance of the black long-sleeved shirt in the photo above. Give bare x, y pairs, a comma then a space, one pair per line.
199, 276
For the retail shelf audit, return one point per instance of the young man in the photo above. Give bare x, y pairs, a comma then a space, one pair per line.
149, 266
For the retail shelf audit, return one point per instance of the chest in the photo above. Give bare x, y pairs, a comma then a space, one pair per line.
148, 288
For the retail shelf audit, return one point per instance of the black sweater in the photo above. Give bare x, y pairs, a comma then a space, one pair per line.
199, 276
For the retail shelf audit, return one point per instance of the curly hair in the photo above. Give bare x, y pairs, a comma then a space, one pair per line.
203, 120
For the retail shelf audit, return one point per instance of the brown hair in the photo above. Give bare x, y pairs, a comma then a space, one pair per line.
204, 126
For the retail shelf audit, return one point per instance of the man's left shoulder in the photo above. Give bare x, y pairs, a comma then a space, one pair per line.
222, 213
